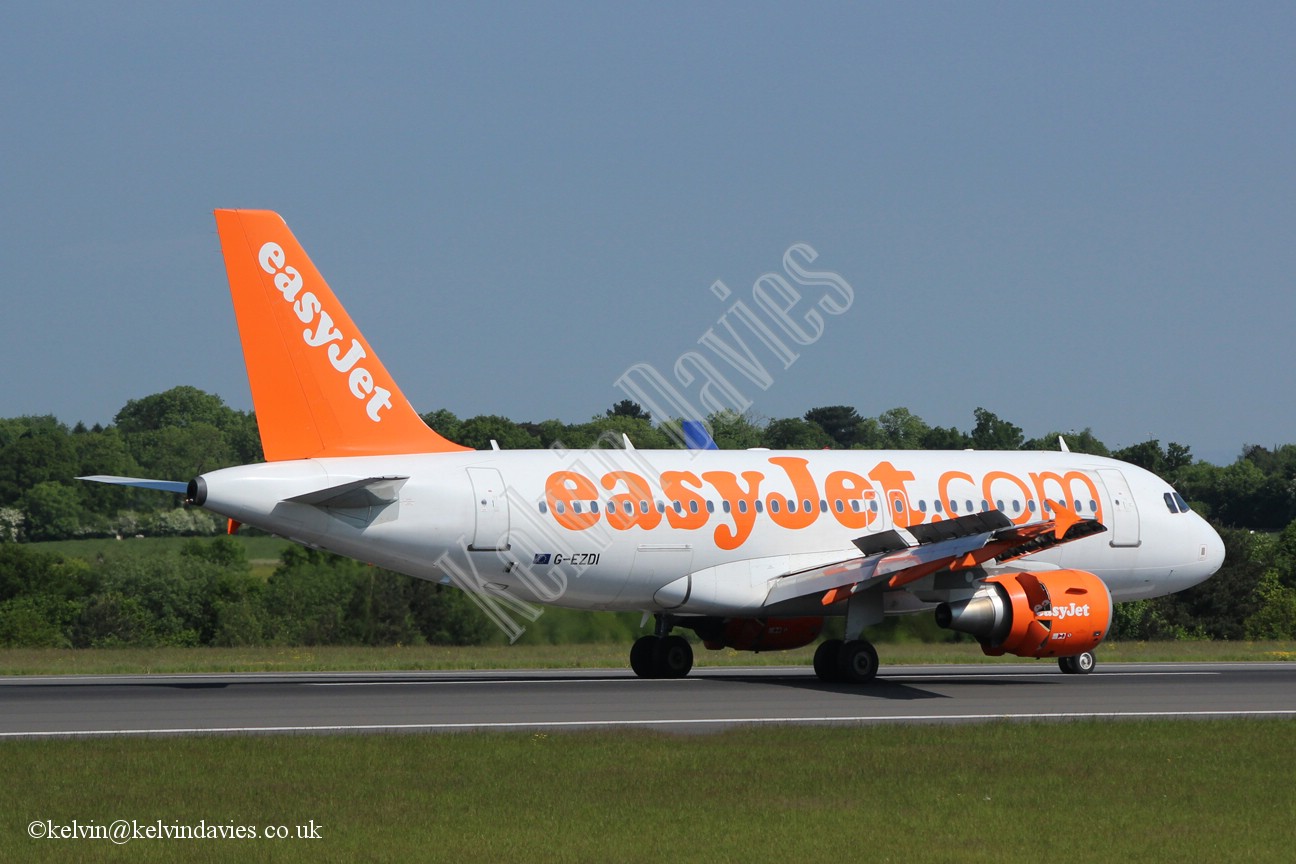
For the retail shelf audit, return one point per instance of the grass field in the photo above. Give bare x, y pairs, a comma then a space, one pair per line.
1076, 792
262, 551
54, 661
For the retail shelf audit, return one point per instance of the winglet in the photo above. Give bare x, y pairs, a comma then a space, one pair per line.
317, 387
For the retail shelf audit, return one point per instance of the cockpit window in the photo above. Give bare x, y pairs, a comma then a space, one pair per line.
1183, 505
1170, 502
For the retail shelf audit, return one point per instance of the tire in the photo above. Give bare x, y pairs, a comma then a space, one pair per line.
641, 656
1084, 663
825, 660
857, 662
673, 657
1067, 665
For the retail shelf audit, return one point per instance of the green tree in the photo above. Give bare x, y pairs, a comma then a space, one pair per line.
477, 432
40, 450
52, 511
631, 409
793, 433
903, 430
447, 616
733, 431
1077, 442
837, 421
992, 433
445, 423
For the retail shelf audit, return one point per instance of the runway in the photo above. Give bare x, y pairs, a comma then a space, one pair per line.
710, 699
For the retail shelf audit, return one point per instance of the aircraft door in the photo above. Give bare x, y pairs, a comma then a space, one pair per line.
1124, 520
490, 502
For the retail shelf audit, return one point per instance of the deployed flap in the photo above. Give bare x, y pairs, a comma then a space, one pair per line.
956, 544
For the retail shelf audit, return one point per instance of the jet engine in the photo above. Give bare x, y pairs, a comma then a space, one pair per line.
1059, 613
757, 634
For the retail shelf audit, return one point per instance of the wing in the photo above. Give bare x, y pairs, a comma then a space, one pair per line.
899, 557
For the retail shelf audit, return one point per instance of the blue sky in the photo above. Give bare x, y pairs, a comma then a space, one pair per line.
1071, 214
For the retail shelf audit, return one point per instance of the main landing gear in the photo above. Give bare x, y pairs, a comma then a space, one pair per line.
851, 662
661, 655
1080, 664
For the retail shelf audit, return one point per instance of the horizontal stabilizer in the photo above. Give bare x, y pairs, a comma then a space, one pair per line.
371, 492
177, 486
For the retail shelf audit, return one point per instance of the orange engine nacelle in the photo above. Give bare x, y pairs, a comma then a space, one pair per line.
762, 634
1059, 613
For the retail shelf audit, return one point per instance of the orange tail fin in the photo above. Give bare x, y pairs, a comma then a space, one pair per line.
317, 386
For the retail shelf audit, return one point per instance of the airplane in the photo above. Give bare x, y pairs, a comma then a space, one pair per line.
752, 550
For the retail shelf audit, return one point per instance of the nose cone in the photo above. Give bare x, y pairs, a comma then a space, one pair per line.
1209, 557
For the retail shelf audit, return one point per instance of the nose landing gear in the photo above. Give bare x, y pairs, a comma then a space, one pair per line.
1080, 664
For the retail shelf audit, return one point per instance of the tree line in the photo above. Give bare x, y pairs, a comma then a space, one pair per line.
184, 431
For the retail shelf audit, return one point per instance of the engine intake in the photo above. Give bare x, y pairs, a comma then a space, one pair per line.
1060, 613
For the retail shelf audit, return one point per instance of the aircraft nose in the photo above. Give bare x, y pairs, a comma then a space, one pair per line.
1214, 546
1209, 553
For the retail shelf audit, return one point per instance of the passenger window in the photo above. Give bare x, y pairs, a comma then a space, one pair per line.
774, 505
693, 506
742, 506
724, 505
544, 508
576, 506
839, 505
710, 506
922, 505
953, 506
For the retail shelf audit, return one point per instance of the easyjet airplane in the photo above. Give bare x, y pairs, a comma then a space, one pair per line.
753, 550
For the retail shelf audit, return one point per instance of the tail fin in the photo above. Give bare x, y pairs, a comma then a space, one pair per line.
317, 386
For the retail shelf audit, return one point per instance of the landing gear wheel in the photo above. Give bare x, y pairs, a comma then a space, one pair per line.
641, 656
673, 657
825, 660
1080, 664
857, 662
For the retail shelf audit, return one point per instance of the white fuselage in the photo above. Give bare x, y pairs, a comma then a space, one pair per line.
620, 529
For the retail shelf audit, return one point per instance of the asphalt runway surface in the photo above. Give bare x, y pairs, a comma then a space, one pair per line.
709, 699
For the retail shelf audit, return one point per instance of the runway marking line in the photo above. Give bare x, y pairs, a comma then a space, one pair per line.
604, 724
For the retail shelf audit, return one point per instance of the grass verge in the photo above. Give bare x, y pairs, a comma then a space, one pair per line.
1129, 792
100, 661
